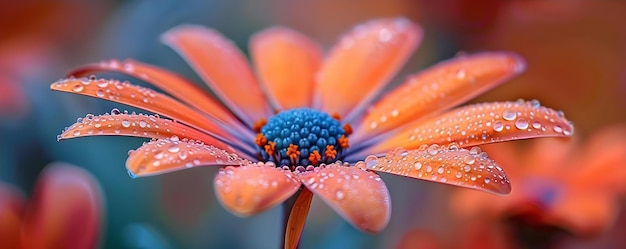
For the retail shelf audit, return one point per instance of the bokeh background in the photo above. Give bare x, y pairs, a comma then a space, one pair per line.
575, 50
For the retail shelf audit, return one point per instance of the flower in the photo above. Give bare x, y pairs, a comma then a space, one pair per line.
308, 121
559, 187
64, 211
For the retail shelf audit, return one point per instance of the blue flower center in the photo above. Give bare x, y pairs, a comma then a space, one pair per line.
301, 137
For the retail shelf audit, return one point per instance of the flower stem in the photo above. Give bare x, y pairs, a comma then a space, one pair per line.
295, 211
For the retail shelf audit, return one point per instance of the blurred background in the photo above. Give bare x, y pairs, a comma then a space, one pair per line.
576, 55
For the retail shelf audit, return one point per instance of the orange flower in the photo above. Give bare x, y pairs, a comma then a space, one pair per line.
64, 211
290, 125
568, 186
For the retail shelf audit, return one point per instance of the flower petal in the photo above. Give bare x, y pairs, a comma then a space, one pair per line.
286, 62
479, 124
297, 218
454, 166
361, 197
167, 155
362, 63
137, 125
254, 188
174, 84
223, 67
65, 210
438, 88
143, 98
12, 205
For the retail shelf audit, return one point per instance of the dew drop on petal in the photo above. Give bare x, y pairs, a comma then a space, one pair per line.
433, 149
339, 195
417, 166
125, 123
521, 124
77, 88
174, 148
509, 115
557, 129
498, 126
536, 124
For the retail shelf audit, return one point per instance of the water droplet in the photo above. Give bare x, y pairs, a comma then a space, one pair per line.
557, 129
460, 74
498, 126
125, 123
115, 111
417, 166
173, 148
78, 88
339, 195
475, 150
433, 149
535, 103
509, 115
536, 124
487, 180
521, 124
371, 162
142, 124
440, 170
469, 159
458, 174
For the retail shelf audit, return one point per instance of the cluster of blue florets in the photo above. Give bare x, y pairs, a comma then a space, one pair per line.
309, 129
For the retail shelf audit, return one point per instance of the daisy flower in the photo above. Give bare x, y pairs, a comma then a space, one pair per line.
567, 187
299, 124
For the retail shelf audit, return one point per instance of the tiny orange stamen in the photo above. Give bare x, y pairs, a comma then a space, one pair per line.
336, 116
293, 153
343, 142
348, 129
330, 152
314, 157
270, 148
259, 124
260, 140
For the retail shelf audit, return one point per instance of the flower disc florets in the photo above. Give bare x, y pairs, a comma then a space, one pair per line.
301, 137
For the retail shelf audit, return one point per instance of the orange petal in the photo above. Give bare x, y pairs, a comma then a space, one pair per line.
363, 62
143, 98
440, 87
167, 155
223, 67
286, 62
136, 125
12, 204
254, 188
174, 84
65, 210
449, 165
297, 219
585, 214
361, 197
482, 123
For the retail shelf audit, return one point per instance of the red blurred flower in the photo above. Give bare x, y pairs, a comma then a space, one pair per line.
33, 35
291, 126
64, 211
558, 187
